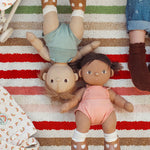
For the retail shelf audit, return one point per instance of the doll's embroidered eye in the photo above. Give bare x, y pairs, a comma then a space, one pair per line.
89, 72
104, 71
65, 80
52, 80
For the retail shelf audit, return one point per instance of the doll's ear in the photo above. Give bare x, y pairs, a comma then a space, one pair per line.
80, 75
44, 76
111, 72
76, 76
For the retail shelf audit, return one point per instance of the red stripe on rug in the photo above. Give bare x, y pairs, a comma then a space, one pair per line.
36, 90
24, 74
37, 58
14, 74
130, 91
124, 125
123, 58
21, 58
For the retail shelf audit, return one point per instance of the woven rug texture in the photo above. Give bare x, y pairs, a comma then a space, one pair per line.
20, 63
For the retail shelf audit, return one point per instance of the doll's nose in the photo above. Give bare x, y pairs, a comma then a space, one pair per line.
96, 73
57, 79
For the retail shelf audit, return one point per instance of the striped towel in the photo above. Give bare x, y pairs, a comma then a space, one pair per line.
20, 63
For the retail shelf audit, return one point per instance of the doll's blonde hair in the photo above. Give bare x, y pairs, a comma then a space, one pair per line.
61, 97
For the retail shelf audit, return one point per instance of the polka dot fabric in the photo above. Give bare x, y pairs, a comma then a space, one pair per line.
5, 4
16, 128
48, 2
78, 4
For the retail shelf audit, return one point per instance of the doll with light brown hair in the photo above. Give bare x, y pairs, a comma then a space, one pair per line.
96, 102
62, 42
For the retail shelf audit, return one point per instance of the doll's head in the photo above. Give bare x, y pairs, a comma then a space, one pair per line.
60, 81
96, 68
60, 78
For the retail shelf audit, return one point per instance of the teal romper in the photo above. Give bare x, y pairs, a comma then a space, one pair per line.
62, 44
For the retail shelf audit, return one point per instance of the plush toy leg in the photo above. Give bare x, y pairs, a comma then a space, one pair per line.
48, 2
78, 4
51, 21
76, 23
49, 6
79, 145
79, 137
137, 65
112, 145
110, 134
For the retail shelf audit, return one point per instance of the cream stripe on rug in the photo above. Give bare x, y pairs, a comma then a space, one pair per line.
19, 64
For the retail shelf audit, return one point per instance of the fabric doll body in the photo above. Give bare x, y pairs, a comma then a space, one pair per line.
96, 103
62, 39
138, 25
97, 97
61, 44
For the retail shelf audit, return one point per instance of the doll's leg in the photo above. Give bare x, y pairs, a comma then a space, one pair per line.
137, 60
111, 138
51, 21
76, 23
83, 124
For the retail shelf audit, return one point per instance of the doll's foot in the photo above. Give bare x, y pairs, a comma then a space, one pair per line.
48, 2
78, 145
140, 73
78, 4
112, 145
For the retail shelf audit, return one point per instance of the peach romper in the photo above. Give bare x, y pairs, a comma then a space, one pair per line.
96, 104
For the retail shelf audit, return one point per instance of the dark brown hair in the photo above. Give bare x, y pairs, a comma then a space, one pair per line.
87, 59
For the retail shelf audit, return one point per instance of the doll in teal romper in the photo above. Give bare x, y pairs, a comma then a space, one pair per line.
62, 41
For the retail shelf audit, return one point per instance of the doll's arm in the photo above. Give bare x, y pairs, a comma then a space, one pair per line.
38, 45
73, 102
120, 101
86, 49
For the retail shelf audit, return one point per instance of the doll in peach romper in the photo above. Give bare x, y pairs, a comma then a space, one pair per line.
96, 102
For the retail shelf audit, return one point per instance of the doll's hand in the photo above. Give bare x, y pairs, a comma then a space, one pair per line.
95, 44
128, 106
65, 107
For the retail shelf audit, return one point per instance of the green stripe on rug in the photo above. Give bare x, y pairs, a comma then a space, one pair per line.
67, 9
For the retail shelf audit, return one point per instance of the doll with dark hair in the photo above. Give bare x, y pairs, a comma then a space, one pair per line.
96, 102
61, 47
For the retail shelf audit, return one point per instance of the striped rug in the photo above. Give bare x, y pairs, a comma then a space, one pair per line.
20, 63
